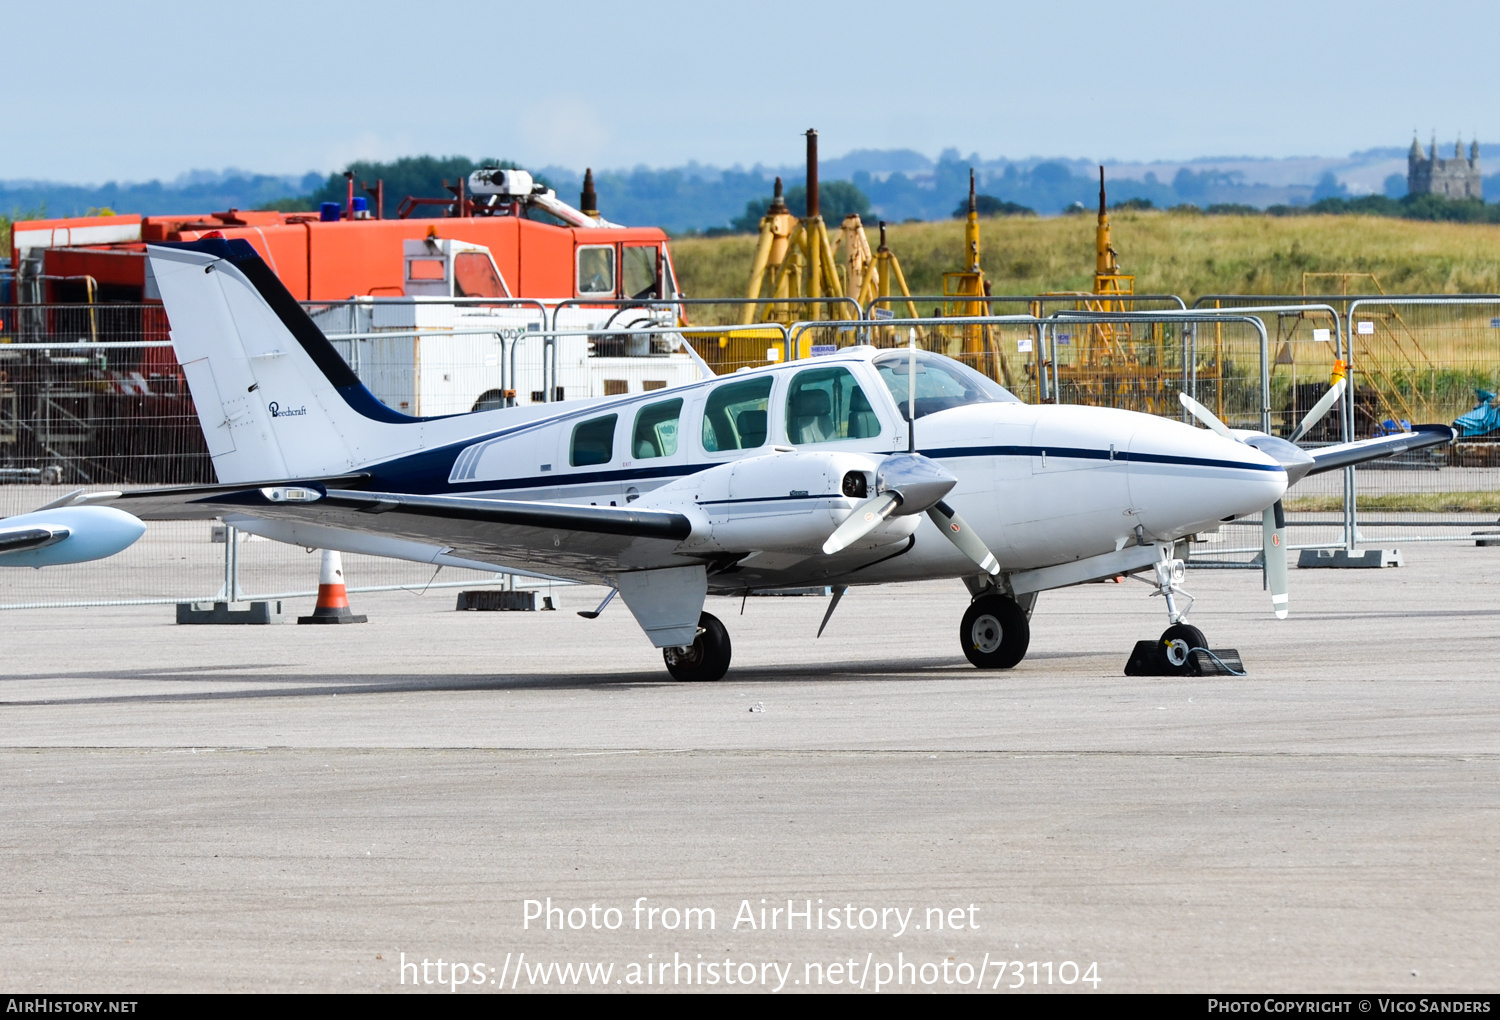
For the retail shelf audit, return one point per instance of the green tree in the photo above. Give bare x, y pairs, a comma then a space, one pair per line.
418, 176
989, 205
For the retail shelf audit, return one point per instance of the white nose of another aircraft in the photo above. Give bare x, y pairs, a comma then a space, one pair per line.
1184, 478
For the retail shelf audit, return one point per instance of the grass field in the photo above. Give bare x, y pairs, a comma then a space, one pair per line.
1169, 253
1428, 502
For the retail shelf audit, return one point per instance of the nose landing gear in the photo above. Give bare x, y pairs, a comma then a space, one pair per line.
1182, 649
1178, 642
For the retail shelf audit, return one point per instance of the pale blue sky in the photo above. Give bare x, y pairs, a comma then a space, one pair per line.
101, 91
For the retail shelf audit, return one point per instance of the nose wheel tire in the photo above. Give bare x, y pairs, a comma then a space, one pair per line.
995, 632
707, 658
1179, 640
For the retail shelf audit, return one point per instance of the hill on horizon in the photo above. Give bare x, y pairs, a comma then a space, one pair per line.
901, 184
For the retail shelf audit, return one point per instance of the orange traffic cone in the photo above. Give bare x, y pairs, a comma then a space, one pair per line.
333, 600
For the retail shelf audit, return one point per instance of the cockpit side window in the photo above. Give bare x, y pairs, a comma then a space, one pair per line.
734, 417
941, 383
596, 270
825, 405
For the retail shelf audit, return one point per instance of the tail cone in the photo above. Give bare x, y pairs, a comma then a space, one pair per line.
333, 599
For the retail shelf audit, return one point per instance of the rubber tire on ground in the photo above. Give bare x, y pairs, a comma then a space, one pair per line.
995, 632
706, 659
1184, 632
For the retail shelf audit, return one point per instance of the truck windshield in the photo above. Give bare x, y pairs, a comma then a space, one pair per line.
941, 383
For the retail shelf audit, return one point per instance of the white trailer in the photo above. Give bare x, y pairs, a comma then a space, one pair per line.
497, 349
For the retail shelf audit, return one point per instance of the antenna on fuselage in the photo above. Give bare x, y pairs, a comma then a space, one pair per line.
911, 395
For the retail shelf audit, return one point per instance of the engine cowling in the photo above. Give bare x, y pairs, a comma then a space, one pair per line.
788, 501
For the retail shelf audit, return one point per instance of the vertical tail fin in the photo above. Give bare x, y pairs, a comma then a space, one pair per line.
274, 397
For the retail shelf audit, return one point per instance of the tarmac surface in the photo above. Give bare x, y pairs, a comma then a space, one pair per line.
293, 808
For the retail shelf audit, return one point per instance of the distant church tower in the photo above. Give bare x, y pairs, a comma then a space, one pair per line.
1452, 178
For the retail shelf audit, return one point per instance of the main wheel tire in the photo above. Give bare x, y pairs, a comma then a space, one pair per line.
706, 659
995, 632
1179, 640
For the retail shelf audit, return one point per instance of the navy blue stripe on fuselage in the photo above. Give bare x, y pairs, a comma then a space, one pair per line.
772, 499
427, 473
1076, 453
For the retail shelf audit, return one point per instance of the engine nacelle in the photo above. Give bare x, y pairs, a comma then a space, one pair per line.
787, 501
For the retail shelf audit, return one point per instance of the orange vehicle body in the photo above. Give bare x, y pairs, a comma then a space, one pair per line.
316, 260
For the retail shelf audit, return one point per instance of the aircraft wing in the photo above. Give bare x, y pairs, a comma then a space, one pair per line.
583, 543
1332, 458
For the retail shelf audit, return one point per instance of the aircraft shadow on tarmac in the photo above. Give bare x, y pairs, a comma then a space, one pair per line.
318, 685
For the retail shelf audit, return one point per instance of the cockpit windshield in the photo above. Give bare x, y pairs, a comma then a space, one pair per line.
941, 383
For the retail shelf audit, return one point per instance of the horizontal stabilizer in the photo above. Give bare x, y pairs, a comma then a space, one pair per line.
196, 502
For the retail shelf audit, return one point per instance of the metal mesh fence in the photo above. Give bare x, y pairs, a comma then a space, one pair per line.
91, 397
1427, 360
91, 394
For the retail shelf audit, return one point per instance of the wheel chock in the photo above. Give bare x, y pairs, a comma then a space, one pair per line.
1149, 658
229, 612
1341, 558
496, 600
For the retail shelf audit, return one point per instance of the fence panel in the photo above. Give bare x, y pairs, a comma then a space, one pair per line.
1418, 361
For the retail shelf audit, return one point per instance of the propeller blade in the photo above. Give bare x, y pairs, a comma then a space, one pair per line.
1206, 416
866, 517
1322, 407
960, 534
1273, 550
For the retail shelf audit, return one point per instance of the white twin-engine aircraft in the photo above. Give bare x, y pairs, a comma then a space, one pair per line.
794, 475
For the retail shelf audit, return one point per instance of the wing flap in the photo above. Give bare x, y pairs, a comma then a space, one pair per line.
586, 543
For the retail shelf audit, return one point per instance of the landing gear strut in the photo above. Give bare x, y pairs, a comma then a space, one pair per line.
707, 658
995, 632
1170, 573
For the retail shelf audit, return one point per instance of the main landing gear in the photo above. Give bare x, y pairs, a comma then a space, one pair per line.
707, 658
995, 632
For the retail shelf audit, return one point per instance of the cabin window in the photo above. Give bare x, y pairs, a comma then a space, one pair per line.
656, 430
596, 270
735, 416
474, 275
639, 270
425, 269
593, 441
824, 405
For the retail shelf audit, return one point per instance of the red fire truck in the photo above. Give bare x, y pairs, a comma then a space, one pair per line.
505, 254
